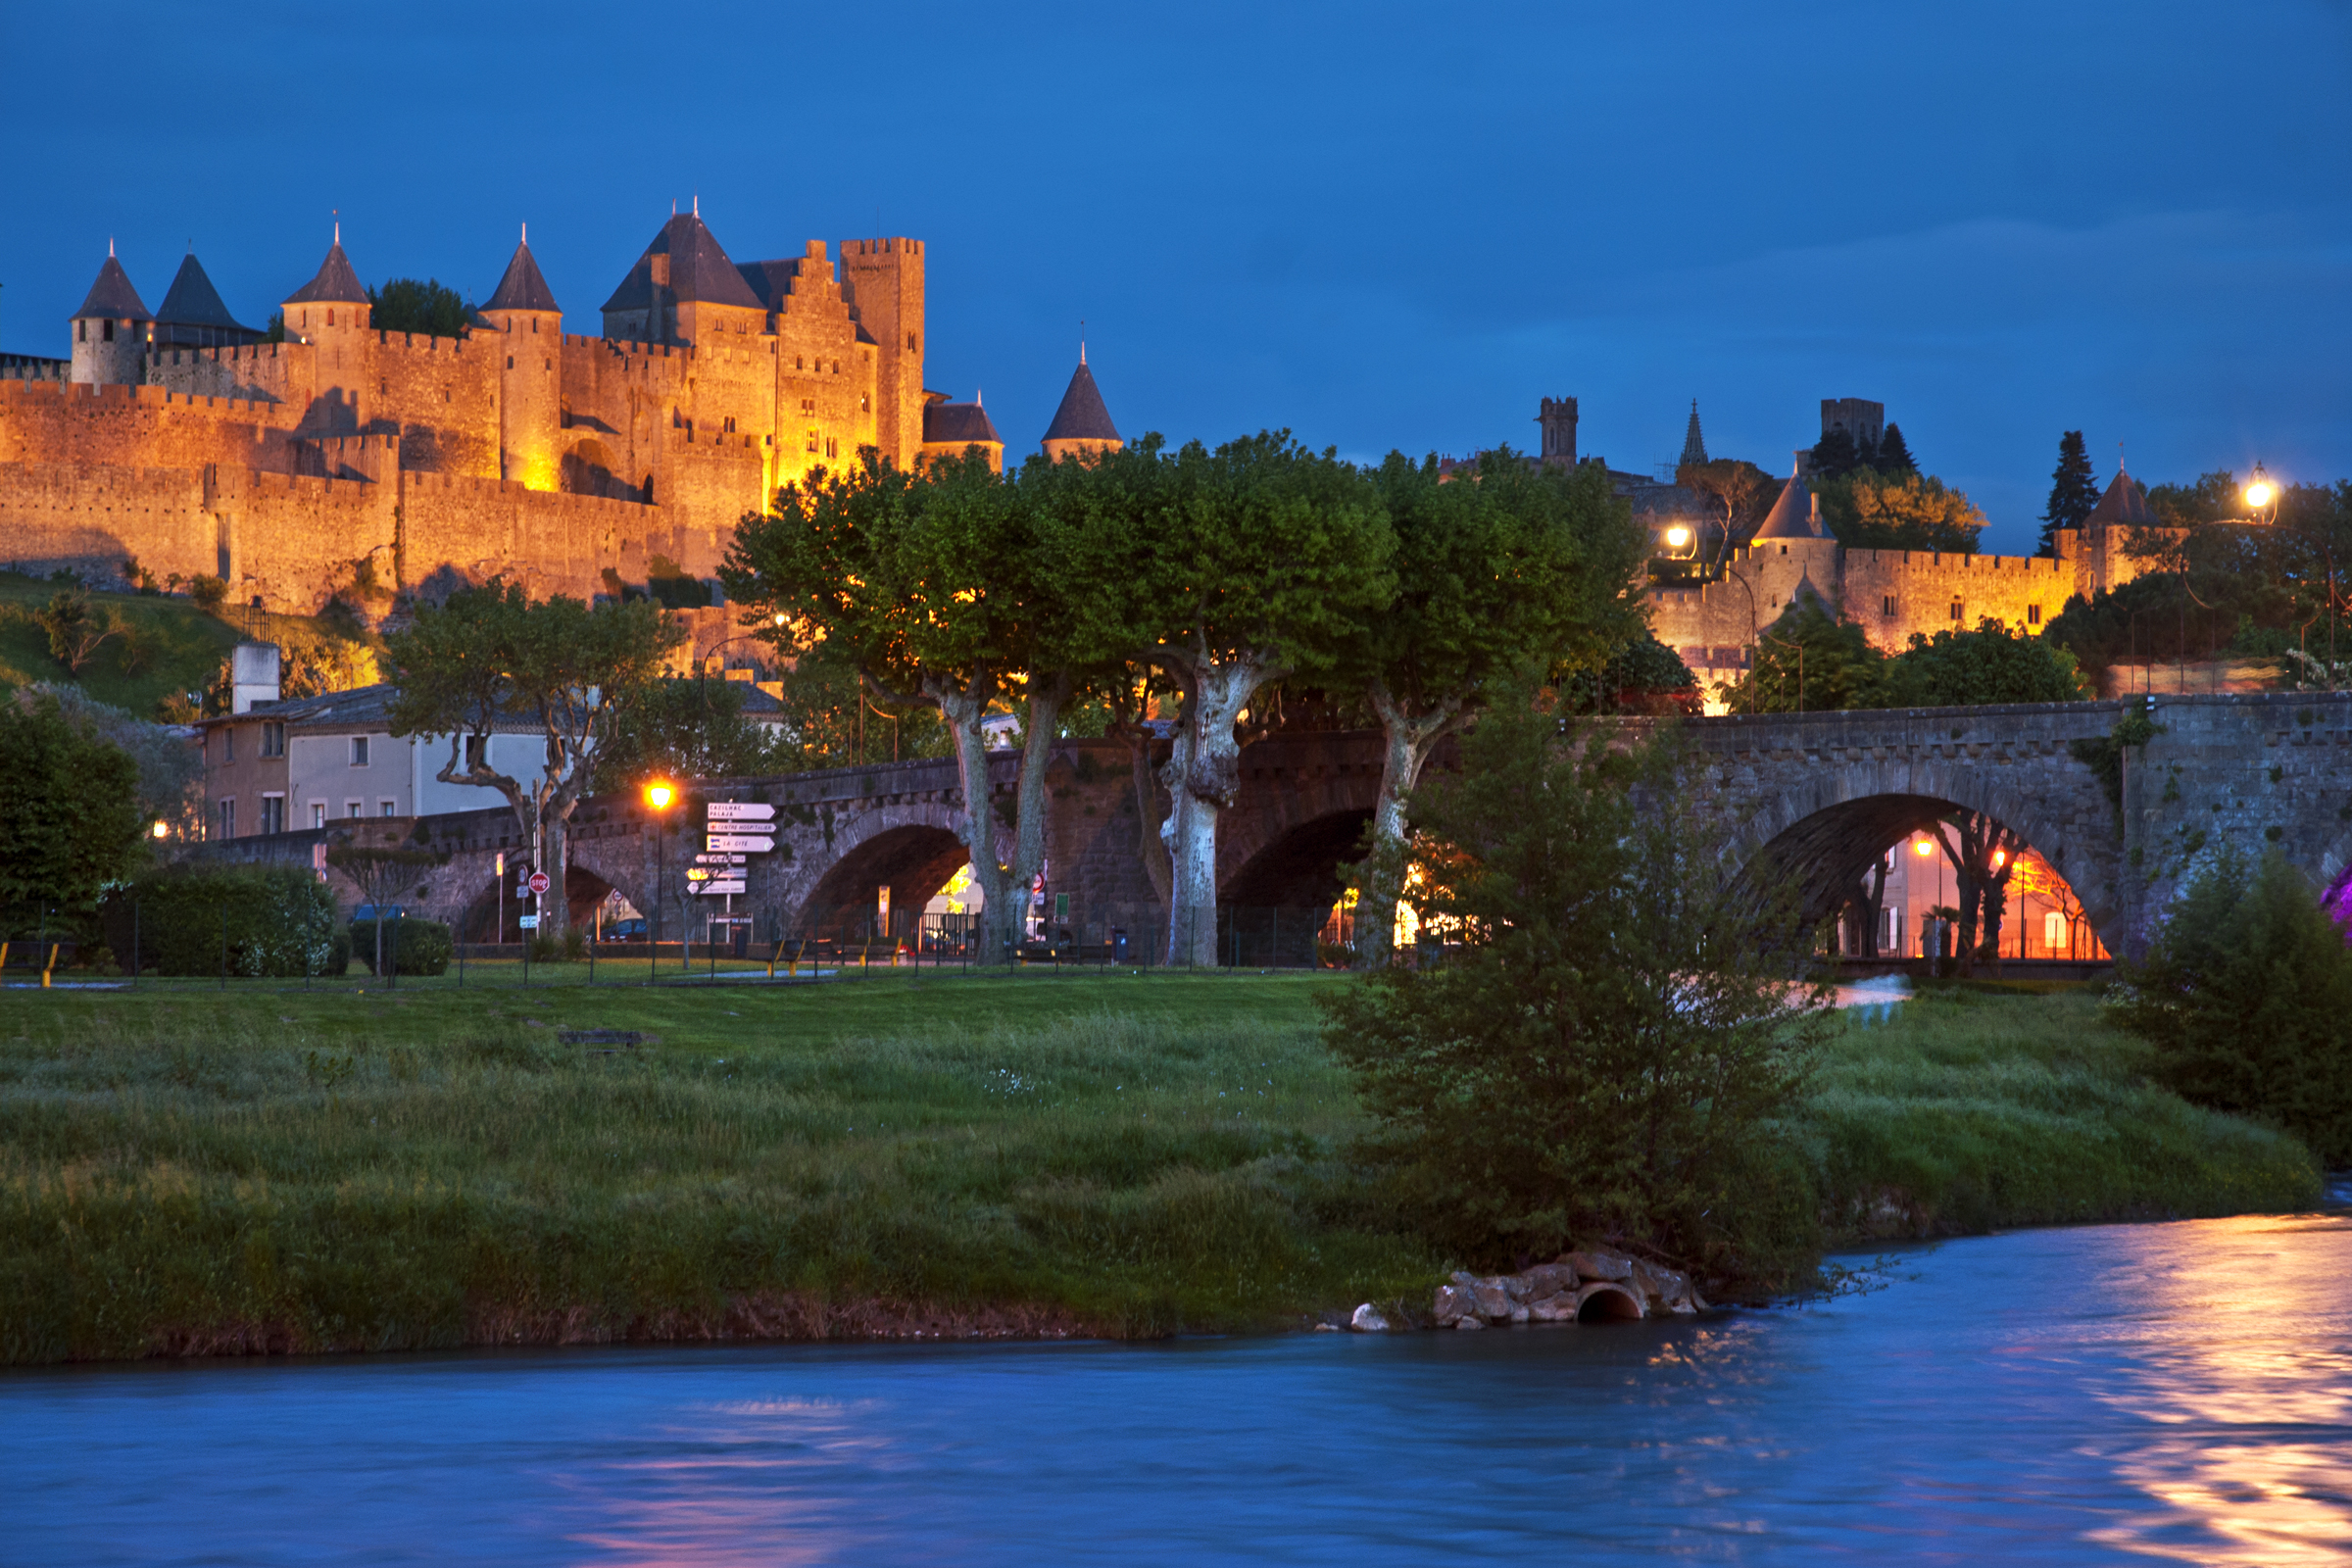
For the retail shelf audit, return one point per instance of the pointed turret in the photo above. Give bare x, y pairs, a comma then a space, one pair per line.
1794, 515
522, 288
2124, 504
683, 270
193, 316
1082, 423
1695, 446
951, 429
109, 330
333, 298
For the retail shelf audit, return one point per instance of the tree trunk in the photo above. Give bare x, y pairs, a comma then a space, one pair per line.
963, 710
1150, 848
1406, 742
1046, 695
1203, 775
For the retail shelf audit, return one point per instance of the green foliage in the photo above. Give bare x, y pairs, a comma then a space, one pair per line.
2105, 755
76, 628
2074, 492
208, 591
2158, 618
691, 728
171, 771
71, 819
2246, 994
1642, 676
830, 722
1894, 453
1994, 663
670, 586
1807, 662
1738, 496
1869, 509
1611, 1050
424, 306
259, 922
2215, 497
411, 947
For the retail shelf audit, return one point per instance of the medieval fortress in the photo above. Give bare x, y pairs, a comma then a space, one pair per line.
1714, 619
346, 458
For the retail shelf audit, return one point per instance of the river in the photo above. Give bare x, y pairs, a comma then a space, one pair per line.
2177, 1393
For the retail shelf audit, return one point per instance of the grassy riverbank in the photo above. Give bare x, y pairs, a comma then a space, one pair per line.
197, 1173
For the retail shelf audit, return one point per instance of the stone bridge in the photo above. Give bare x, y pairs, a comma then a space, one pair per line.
1814, 796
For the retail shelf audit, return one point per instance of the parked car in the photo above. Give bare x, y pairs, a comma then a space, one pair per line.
632, 929
368, 912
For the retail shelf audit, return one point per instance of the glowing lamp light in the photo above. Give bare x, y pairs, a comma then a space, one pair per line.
2260, 492
2000, 858
1921, 846
658, 794
162, 829
1676, 537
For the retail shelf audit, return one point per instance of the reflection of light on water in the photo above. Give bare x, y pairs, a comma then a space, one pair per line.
2249, 1453
758, 1481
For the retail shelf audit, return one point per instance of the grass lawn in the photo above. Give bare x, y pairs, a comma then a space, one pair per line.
184, 1171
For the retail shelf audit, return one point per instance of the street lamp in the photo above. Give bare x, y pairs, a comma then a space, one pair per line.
2262, 496
658, 794
161, 828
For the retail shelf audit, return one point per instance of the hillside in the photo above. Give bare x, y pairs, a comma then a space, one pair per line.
173, 646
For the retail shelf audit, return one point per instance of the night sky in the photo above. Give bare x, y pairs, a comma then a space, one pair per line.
1380, 226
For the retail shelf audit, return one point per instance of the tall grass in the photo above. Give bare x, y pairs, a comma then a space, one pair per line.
1969, 1110
181, 1184
281, 1171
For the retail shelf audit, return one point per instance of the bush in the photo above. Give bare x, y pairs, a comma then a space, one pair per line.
1613, 1052
410, 946
2246, 994
262, 922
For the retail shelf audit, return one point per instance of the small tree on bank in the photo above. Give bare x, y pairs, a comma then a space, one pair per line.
489, 653
1607, 1053
2246, 994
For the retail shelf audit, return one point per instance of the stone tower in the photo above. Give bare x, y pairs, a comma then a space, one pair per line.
193, 316
883, 281
109, 330
1694, 445
1556, 416
1081, 424
524, 310
330, 312
1859, 418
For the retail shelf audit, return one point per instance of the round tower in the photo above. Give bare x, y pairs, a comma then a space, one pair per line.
109, 330
1081, 424
532, 450
330, 313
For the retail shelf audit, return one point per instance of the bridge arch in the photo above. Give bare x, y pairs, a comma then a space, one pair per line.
1825, 832
912, 850
1297, 868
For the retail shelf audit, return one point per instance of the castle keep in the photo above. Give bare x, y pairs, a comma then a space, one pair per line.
570, 462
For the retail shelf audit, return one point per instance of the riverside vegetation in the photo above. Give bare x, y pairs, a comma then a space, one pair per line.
1122, 1156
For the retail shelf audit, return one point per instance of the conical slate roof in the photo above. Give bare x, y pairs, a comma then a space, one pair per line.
699, 270
1695, 446
1790, 516
1082, 415
960, 422
2125, 504
112, 297
522, 288
192, 301
336, 284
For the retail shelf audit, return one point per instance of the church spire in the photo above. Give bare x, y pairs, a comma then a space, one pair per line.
1695, 446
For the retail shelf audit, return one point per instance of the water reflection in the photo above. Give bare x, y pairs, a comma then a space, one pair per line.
2172, 1393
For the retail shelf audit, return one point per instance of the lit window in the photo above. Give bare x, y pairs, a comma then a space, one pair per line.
2032, 615
1956, 610
812, 440
1890, 609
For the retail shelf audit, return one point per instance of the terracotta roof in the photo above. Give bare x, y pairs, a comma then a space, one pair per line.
1082, 415
522, 288
699, 270
192, 301
960, 422
2125, 504
112, 297
1790, 516
336, 284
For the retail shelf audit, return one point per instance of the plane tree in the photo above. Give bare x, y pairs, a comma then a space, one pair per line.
1225, 572
489, 655
934, 585
1504, 569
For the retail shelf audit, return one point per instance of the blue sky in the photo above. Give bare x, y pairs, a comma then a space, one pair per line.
1379, 226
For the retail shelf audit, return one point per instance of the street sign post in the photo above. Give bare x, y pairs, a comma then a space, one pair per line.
741, 811
539, 883
724, 885
739, 843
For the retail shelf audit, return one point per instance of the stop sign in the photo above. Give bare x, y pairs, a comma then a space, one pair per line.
539, 882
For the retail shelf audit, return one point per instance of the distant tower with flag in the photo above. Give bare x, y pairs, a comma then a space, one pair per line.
1081, 424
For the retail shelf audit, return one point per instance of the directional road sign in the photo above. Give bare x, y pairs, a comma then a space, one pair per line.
741, 811
729, 885
743, 842
719, 859
539, 882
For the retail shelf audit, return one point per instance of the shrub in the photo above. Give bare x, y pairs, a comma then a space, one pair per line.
260, 921
410, 946
2246, 994
1611, 1050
